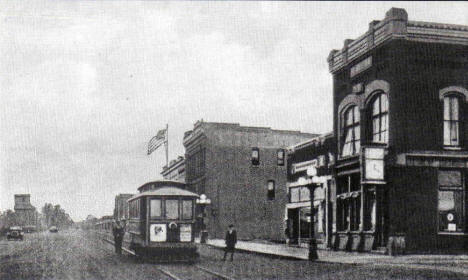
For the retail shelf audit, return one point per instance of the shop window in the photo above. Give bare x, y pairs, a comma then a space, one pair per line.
280, 157
255, 156
351, 132
379, 119
370, 211
451, 201
452, 121
271, 190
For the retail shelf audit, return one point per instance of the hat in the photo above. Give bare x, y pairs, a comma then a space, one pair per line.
231, 225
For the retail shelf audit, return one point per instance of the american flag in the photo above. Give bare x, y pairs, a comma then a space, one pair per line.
157, 141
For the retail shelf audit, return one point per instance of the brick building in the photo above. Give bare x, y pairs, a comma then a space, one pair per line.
26, 213
121, 206
175, 171
243, 171
400, 107
318, 153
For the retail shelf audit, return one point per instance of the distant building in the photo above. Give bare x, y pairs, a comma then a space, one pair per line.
243, 171
315, 153
175, 171
26, 213
121, 206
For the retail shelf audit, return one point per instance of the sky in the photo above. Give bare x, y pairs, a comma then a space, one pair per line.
84, 85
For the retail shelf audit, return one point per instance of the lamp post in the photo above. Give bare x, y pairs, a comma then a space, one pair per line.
203, 202
312, 172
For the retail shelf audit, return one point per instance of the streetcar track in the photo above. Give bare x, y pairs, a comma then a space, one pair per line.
171, 275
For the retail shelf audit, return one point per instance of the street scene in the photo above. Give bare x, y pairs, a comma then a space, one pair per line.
233, 140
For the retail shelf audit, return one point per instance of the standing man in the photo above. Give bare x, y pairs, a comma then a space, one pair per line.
231, 240
118, 231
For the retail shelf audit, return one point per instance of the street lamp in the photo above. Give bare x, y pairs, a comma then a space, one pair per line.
312, 172
203, 202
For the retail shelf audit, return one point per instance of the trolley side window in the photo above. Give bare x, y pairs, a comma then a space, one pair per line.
172, 209
187, 209
155, 208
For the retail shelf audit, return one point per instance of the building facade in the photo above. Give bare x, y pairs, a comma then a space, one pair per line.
121, 206
400, 107
175, 170
26, 213
315, 153
243, 171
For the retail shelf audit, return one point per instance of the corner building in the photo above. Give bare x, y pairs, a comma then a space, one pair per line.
243, 171
400, 109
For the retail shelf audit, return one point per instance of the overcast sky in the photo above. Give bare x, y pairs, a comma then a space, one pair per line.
85, 85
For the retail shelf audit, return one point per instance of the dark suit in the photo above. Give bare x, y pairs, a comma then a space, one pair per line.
231, 240
118, 232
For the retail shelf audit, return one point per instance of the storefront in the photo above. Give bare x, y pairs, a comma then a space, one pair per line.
298, 215
316, 153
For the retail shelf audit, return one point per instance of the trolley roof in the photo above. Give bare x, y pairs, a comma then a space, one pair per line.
163, 183
165, 191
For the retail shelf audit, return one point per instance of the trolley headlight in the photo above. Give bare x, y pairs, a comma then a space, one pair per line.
185, 233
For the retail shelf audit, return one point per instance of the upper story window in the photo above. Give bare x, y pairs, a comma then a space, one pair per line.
271, 190
452, 121
280, 157
351, 131
255, 156
379, 119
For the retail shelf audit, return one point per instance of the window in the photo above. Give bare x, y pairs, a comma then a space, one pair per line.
155, 208
255, 156
452, 121
280, 157
349, 203
351, 132
379, 119
271, 190
187, 209
172, 209
452, 201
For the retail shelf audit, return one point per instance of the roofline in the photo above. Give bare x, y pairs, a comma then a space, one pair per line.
310, 141
161, 182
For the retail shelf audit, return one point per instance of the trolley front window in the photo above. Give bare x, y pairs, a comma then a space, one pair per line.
155, 208
187, 209
172, 209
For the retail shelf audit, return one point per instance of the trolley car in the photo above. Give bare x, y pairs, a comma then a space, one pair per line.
161, 222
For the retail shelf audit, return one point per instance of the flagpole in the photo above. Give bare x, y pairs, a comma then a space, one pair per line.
167, 144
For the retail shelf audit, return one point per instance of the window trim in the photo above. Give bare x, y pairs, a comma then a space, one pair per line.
377, 97
255, 160
459, 121
344, 127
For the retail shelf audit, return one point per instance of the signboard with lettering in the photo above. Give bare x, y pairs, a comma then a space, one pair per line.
158, 232
185, 233
361, 66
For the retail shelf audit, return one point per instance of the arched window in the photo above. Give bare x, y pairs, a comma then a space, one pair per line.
351, 132
379, 119
452, 120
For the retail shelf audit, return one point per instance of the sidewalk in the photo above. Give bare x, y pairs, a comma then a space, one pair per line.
455, 263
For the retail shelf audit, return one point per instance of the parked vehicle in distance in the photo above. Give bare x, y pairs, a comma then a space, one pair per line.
53, 229
15, 232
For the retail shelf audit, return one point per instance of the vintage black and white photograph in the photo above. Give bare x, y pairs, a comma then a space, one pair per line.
233, 140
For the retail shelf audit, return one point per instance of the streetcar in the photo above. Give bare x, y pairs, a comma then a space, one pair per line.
161, 222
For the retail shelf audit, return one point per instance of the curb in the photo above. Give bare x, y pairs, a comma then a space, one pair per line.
271, 255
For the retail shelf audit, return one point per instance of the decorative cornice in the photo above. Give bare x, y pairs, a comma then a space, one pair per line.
395, 26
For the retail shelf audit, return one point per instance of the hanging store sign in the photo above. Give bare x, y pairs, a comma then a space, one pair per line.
373, 163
